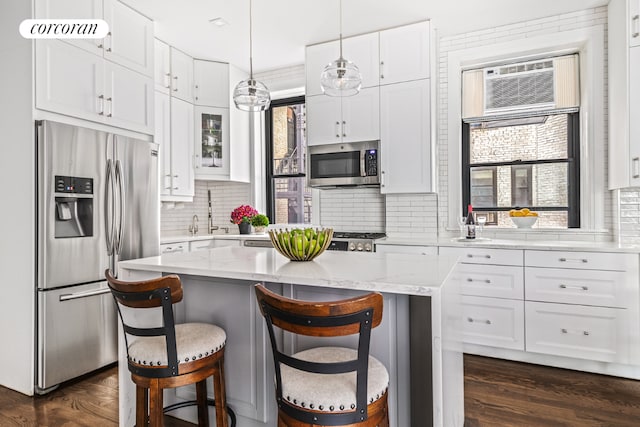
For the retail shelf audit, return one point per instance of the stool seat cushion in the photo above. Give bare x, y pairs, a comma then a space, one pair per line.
193, 341
331, 392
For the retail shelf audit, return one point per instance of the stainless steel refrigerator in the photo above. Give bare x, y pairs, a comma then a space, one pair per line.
98, 202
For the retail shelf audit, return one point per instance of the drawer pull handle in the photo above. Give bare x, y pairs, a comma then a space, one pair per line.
582, 260
567, 331
580, 287
487, 281
479, 256
471, 320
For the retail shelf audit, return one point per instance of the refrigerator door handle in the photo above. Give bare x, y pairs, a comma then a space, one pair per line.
78, 295
109, 208
121, 193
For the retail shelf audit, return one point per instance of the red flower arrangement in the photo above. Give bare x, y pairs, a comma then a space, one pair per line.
242, 214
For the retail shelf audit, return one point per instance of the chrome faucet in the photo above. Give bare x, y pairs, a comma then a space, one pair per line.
193, 228
210, 226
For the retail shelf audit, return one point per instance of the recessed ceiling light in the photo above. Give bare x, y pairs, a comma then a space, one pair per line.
218, 22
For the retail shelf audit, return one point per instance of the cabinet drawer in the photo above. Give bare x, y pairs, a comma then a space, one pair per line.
169, 248
581, 260
594, 333
484, 256
585, 287
490, 280
493, 322
200, 245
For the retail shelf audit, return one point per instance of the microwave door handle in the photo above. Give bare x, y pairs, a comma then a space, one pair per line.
363, 155
108, 207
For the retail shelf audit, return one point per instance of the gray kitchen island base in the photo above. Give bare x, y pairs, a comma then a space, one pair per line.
414, 341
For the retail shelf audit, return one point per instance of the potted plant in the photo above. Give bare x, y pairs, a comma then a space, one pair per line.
260, 222
242, 215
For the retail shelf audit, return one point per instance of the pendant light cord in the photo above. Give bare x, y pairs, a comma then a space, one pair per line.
340, 29
251, 41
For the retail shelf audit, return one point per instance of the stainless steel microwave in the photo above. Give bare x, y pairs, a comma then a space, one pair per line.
344, 164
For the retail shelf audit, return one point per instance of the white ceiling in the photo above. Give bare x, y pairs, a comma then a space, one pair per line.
281, 28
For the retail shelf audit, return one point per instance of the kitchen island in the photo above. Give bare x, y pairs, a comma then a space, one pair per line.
416, 341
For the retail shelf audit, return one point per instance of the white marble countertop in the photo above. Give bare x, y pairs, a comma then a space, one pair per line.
547, 245
173, 238
393, 273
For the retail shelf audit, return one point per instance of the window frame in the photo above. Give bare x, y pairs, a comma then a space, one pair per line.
269, 172
573, 172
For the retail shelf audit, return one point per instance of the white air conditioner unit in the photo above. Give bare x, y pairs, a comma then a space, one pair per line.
521, 88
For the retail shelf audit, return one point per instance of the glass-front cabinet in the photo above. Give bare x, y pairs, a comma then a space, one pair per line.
212, 142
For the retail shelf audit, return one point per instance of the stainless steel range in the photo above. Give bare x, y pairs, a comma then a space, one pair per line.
357, 242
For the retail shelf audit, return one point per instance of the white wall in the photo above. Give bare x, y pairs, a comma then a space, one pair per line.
17, 213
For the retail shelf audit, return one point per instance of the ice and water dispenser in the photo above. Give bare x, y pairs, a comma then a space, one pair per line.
74, 206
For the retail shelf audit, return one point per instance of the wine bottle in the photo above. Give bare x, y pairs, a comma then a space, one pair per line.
470, 224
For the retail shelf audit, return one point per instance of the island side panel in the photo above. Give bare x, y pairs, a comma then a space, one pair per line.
421, 349
389, 342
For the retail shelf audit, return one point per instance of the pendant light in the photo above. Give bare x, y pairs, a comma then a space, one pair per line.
341, 77
251, 95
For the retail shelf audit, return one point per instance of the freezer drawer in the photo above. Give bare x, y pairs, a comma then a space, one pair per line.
77, 332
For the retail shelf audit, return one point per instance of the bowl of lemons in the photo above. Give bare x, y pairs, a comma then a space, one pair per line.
523, 218
301, 244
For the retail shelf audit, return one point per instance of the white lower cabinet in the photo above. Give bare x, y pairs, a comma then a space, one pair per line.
175, 247
406, 249
583, 332
493, 322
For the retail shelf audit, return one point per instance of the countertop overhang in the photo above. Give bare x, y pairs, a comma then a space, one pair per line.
383, 272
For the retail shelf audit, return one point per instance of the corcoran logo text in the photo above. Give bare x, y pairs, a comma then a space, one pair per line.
64, 29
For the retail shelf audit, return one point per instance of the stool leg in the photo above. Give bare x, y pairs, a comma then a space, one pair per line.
142, 406
220, 395
203, 409
156, 416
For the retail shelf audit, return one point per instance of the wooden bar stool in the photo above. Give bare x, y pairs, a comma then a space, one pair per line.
169, 355
327, 386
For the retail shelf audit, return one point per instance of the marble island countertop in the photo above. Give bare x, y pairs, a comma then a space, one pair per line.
218, 234
395, 273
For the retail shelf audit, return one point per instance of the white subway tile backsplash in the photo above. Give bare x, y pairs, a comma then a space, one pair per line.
353, 209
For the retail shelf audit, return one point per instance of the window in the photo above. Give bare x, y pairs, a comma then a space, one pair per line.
526, 162
288, 197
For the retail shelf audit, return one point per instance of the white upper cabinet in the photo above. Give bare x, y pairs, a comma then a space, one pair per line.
130, 38
634, 22
404, 53
76, 83
181, 75
346, 119
624, 93
361, 50
211, 83
162, 67
405, 137
182, 175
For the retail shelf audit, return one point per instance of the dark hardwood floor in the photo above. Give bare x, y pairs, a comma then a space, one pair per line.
497, 393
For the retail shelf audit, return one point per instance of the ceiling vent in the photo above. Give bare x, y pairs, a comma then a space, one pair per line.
524, 88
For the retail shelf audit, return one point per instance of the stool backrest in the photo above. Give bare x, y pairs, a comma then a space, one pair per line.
350, 316
160, 292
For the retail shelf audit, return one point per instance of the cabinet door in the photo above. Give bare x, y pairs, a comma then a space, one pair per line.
130, 39
324, 119
73, 9
634, 16
129, 103
181, 75
404, 53
361, 116
182, 148
162, 66
69, 80
634, 113
364, 52
211, 142
162, 137
405, 137
317, 58
172, 248
211, 83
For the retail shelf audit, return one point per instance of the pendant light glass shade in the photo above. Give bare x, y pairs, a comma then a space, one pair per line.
341, 77
250, 94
